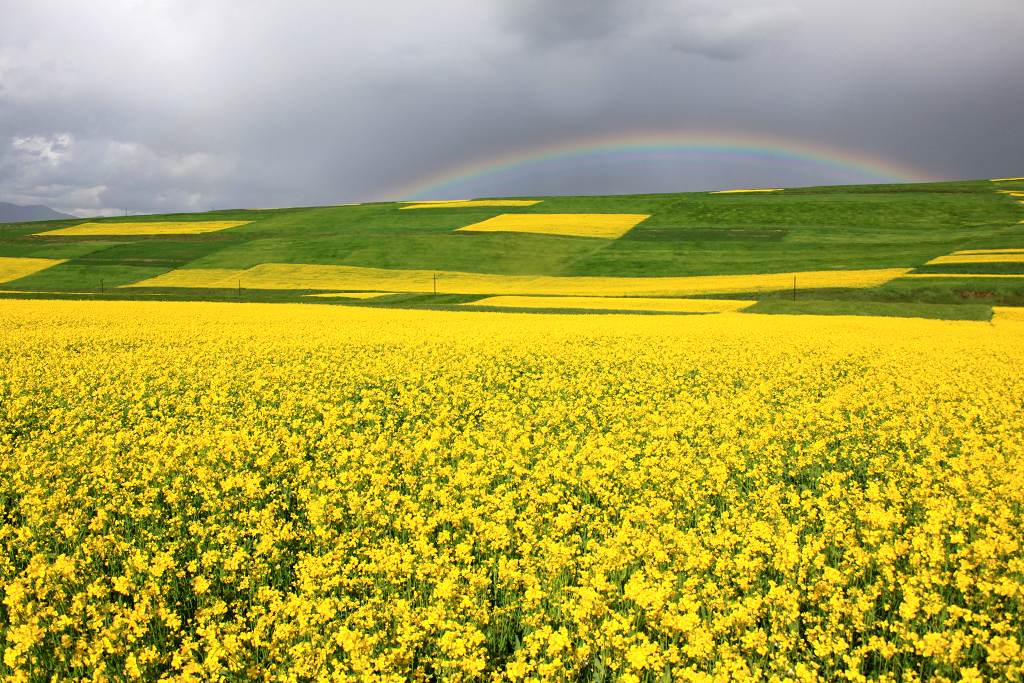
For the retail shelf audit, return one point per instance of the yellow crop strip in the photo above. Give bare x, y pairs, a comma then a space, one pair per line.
1008, 313
616, 303
993, 257
354, 278
146, 228
14, 268
1009, 250
602, 225
1006, 180
209, 491
467, 203
195, 278
351, 295
771, 189
435, 201
965, 275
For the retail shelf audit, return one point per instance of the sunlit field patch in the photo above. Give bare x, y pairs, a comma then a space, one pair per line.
1006, 180
296, 492
350, 295
16, 268
1007, 313
1010, 250
354, 278
616, 303
966, 275
769, 189
434, 201
147, 228
279, 208
212, 278
991, 257
603, 225
462, 203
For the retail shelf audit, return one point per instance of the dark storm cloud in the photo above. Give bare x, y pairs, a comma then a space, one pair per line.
547, 23
718, 30
160, 105
740, 33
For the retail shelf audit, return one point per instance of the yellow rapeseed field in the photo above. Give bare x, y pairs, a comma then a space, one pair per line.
350, 295
1010, 250
195, 277
769, 189
298, 493
463, 203
14, 268
147, 228
1006, 180
990, 257
616, 303
354, 278
604, 225
1004, 313
969, 275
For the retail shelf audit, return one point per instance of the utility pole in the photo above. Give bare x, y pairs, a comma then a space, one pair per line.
794, 288
435, 284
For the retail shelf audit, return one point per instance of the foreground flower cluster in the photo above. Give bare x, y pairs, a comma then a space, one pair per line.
257, 492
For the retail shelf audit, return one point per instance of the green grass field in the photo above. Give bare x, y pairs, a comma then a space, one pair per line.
691, 234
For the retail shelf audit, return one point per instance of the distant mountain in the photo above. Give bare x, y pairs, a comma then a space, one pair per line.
13, 213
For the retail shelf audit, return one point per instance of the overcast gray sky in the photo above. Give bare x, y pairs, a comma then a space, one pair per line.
155, 105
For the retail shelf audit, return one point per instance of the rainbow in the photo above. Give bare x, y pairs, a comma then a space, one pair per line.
700, 143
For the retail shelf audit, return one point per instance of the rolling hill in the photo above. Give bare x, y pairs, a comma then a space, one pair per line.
949, 250
14, 213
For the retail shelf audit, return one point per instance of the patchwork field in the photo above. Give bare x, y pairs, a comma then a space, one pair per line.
917, 250
213, 491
